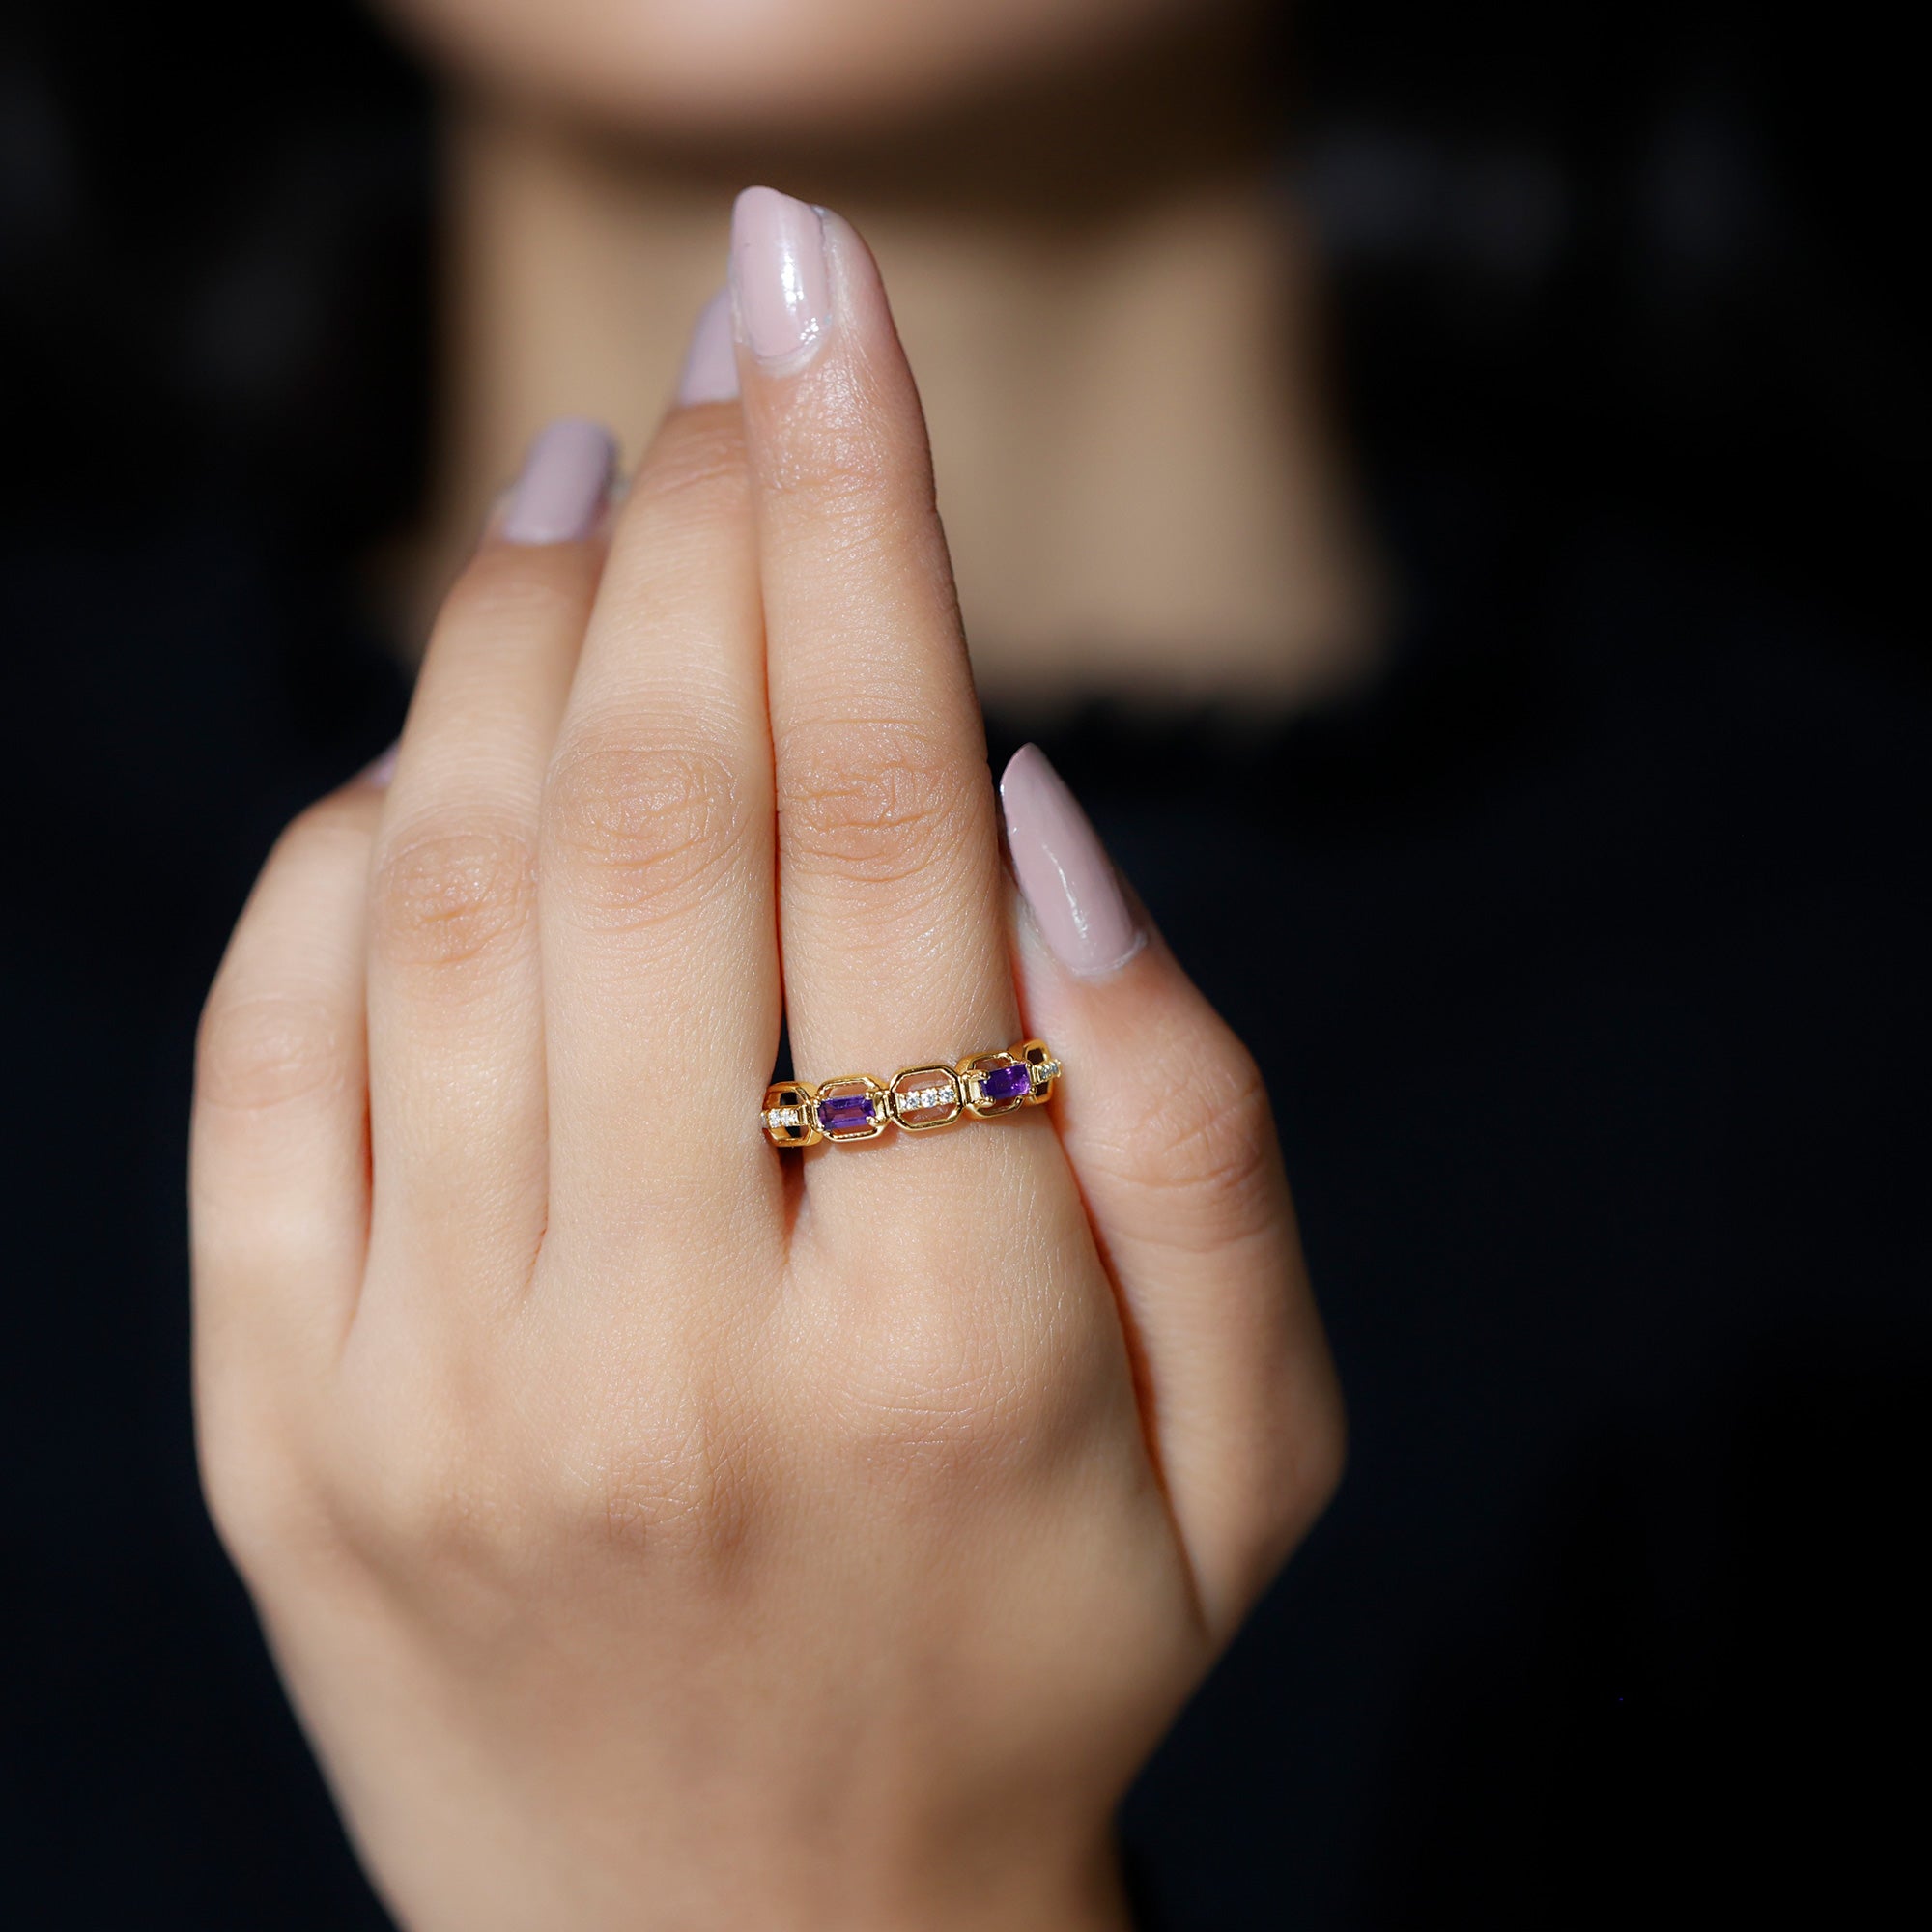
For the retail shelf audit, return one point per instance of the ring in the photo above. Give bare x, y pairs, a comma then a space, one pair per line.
856, 1107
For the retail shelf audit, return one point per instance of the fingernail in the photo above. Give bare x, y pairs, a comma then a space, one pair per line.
778, 274
711, 361
378, 775
1063, 870
559, 496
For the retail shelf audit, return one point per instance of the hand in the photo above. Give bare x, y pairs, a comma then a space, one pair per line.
653, 1529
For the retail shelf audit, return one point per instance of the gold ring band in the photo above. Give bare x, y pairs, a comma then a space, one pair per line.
856, 1107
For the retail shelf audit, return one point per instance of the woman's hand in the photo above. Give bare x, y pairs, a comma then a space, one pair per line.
655, 1531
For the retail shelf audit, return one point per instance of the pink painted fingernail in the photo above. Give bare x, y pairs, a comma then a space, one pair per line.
1063, 870
379, 774
779, 276
566, 476
711, 361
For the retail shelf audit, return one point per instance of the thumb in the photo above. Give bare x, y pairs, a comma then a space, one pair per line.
1166, 1121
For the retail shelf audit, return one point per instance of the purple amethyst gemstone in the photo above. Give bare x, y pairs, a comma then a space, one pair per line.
1005, 1083
843, 1111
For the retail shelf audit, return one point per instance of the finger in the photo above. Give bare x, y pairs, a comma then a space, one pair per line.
455, 982
891, 891
1167, 1122
278, 1172
660, 947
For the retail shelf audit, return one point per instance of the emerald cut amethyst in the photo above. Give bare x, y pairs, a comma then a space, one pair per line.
845, 1113
1005, 1083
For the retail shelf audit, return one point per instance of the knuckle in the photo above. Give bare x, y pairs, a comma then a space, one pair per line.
878, 805
515, 589
1297, 1477
695, 471
461, 1516
843, 494
1199, 1151
934, 1439
850, 460
644, 829
444, 896
259, 1051
430, 1513
953, 1398
260, 1498
340, 818
682, 1485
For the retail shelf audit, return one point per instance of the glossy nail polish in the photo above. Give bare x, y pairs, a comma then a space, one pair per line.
778, 277
566, 476
1063, 870
711, 361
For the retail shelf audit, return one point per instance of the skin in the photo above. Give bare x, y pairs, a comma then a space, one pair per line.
717, 70
1113, 306
654, 1530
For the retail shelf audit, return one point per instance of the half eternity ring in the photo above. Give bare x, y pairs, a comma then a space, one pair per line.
918, 1099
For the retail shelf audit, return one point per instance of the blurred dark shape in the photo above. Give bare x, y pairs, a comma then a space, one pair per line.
1659, 253
213, 228
1658, 257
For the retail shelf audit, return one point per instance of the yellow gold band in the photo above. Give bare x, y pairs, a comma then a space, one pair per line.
856, 1107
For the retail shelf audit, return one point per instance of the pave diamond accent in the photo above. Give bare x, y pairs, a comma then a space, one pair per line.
788, 1118
924, 1098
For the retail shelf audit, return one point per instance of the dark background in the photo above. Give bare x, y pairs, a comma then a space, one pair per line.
1592, 989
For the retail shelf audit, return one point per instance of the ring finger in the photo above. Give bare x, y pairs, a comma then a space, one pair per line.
891, 899
457, 1110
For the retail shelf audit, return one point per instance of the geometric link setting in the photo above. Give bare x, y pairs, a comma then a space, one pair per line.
917, 1099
